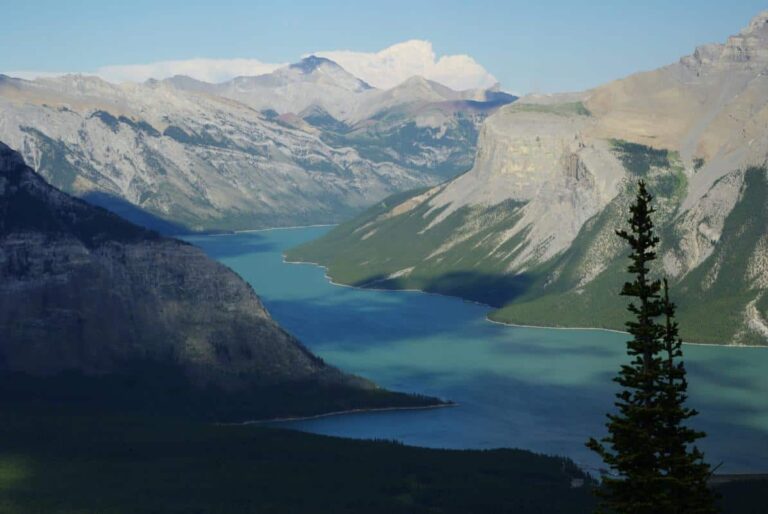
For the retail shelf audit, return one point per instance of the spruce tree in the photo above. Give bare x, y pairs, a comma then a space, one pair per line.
682, 464
631, 447
656, 466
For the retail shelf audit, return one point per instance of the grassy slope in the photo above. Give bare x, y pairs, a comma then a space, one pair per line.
358, 255
469, 269
66, 463
562, 109
554, 292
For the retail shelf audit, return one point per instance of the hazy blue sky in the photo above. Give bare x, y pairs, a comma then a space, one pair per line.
529, 46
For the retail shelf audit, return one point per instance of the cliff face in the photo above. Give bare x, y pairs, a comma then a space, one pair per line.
82, 290
540, 155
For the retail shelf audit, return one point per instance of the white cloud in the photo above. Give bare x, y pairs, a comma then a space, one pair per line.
32, 75
383, 69
208, 70
391, 66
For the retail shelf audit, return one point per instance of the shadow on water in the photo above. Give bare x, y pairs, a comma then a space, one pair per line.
520, 347
724, 374
233, 245
354, 323
490, 289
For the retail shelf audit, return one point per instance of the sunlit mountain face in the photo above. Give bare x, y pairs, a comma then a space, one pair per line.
307, 143
530, 228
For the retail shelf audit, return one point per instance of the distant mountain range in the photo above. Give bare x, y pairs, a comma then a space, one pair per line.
530, 228
308, 143
97, 311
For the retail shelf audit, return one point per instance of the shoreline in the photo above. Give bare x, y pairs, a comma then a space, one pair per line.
340, 413
246, 231
384, 289
490, 307
270, 229
503, 323
600, 329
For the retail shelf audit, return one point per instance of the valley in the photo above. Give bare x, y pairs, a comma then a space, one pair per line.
315, 258
539, 389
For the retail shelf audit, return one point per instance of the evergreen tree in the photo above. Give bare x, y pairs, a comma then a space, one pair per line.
685, 471
631, 449
655, 469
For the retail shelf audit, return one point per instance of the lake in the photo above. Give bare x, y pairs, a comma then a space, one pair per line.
546, 390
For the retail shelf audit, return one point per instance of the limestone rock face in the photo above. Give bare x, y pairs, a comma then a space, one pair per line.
541, 156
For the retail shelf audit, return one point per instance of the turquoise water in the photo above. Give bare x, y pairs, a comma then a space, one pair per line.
541, 389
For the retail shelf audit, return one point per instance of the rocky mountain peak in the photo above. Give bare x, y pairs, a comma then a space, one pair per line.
77, 82
757, 26
420, 82
419, 88
312, 63
747, 49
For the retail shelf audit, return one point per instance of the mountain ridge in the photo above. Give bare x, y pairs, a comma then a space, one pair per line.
184, 153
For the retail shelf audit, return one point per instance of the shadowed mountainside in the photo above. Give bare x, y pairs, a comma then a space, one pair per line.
96, 310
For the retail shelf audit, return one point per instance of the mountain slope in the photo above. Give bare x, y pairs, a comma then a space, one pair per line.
254, 152
417, 125
530, 226
96, 307
312, 81
198, 160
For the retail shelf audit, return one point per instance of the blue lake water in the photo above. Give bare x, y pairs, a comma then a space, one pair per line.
545, 390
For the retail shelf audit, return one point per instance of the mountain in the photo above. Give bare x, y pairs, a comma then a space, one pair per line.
317, 82
95, 308
198, 160
253, 152
530, 228
417, 125
293, 88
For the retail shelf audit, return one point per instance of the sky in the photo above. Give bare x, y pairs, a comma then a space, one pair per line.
539, 47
